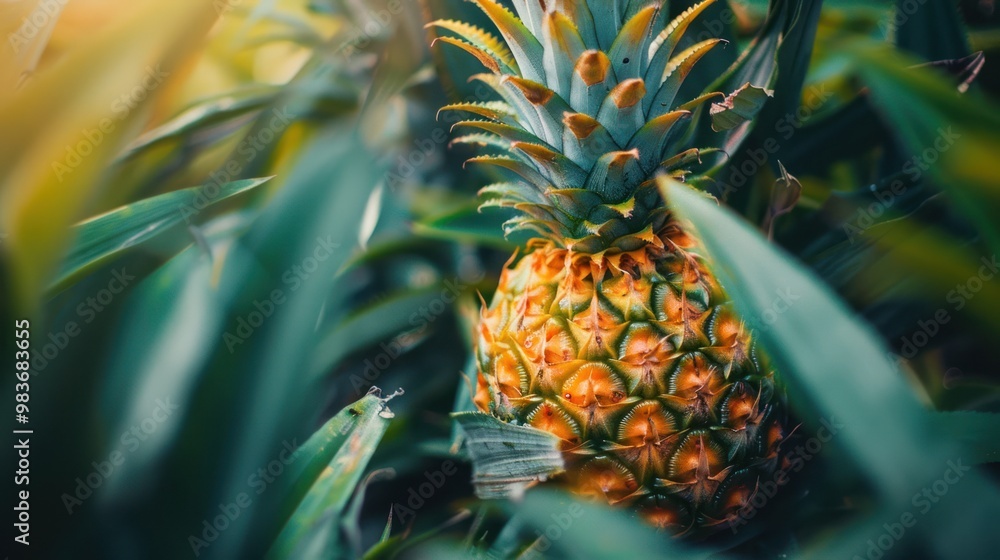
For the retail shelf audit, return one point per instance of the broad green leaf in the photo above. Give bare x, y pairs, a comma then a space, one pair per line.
978, 432
506, 459
285, 271
335, 458
104, 237
794, 54
838, 371
163, 359
252, 377
808, 342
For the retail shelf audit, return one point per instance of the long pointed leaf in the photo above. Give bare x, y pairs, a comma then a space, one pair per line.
334, 460
104, 237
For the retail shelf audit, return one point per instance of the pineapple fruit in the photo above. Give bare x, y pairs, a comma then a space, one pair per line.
609, 330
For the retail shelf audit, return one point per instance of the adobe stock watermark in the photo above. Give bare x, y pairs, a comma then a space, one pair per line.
88, 310
417, 497
914, 168
31, 25
292, 279
129, 442
258, 482
121, 107
922, 502
959, 297
420, 320
798, 457
245, 153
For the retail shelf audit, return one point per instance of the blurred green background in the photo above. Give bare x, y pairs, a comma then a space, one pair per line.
227, 221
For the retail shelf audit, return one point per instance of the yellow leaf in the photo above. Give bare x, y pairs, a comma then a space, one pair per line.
69, 120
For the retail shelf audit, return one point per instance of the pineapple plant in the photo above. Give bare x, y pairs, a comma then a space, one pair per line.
653, 394
609, 328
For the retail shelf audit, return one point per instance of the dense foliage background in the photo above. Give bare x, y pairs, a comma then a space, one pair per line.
227, 221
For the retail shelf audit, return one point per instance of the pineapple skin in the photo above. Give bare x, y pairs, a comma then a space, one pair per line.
637, 362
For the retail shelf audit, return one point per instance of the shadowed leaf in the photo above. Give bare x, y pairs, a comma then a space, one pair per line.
104, 237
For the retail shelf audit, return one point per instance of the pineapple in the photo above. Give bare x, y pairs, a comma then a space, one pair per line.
609, 330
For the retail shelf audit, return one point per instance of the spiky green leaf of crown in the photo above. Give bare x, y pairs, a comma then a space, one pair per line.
589, 114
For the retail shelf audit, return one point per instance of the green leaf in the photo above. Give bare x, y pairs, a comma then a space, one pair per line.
932, 30
738, 107
335, 458
371, 325
394, 546
464, 392
162, 359
778, 60
978, 432
54, 159
809, 339
507, 458
219, 112
838, 371
711, 22
352, 520
950, 137
583, 530
795, 50
105, 237
468, 224
307, 222
527, 51
256, 377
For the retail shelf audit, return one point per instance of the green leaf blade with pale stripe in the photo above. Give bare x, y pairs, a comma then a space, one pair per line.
335, 458
102, 238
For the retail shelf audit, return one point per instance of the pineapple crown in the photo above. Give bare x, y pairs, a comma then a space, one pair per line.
588, 116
